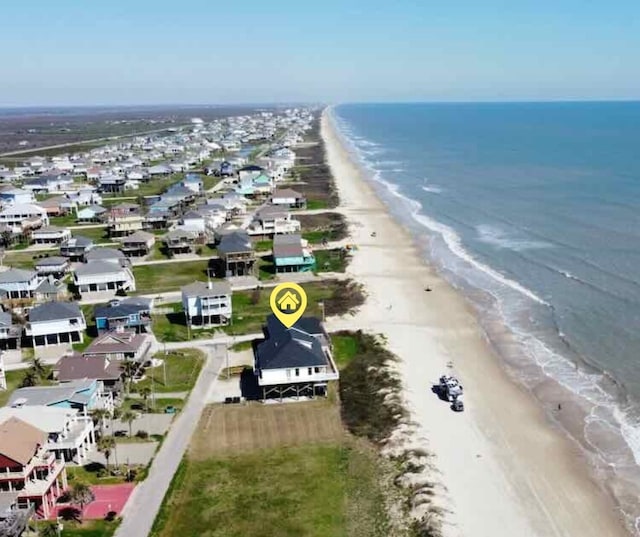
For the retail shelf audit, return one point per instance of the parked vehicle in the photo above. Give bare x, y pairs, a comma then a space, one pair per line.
450, 387
457, 405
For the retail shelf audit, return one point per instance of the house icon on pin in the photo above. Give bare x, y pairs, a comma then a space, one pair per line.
288, 302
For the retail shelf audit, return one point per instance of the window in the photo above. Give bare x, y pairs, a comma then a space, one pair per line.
297, 372
316, 370
309, 371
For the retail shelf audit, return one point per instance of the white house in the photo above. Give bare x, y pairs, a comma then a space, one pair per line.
103, 276
54, 322
296, 361
51, 235
288, 197
16, 196
23, 216
273, 220
207, 304
70, 434
19, 283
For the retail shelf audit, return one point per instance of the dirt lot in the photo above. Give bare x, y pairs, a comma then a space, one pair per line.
228, 429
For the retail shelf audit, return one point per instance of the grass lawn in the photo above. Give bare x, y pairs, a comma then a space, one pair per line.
262, 246
93, 474
168, 277
90, 528
64, 220
182, 367
23, 259
265, 268
295, 474
334, 260
14, 379
317, 204
345, 347
97, 234
209, 181
153, 407
249, 317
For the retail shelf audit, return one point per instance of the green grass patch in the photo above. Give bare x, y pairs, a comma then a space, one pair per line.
14, 379
311, 490
335, 260
209, 181
182, 370
263, 246
96, 234
163, 277
94, 474
64, 220
345, 346
242, 346
153, 406
89, 528
265, 268
317, 204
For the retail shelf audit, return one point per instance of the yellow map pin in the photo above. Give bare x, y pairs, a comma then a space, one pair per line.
288, 302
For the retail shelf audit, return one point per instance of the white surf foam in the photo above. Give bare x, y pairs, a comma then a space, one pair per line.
501, 238
432, 189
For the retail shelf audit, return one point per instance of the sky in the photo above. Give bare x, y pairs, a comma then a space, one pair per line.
72, 52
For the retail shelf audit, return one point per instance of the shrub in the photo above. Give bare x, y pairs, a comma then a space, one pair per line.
142, 434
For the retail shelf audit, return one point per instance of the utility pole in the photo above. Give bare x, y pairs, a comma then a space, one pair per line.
227, 358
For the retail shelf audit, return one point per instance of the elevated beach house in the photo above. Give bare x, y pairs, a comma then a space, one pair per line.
291, 253
294, 361
180, 241
56, 266
23, 218
237, 256
287, 197
207, 304
271, 221
50, 235
28, 469
53, 323
124, 219
103, 277
70, 435
76, 248
138, 244
120, 344
9, 337
81, 395
18, 284
131, 313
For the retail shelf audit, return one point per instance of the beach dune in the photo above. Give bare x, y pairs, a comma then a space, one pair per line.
505, 469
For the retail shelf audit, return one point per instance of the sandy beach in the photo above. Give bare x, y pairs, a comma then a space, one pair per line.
506, 471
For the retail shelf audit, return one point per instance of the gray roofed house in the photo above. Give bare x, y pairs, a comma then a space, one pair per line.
104, 276
129, 313
294, 361
51, 311
55, 322
207, 304
106, 254
9, 334
78, 394
53, 265
76, 247
237, 256
138, 243
18, 283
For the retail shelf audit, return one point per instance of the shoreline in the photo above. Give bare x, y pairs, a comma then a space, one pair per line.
505, 468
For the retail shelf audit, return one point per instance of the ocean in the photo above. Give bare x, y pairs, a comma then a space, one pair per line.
532, 210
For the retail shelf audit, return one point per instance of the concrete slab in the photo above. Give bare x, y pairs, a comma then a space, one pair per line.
151, 423
127, 453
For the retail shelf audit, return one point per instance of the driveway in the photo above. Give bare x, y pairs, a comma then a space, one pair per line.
141, 510
127, 453
151, 423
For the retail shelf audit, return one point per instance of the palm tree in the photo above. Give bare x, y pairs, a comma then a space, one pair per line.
38, 368
145, 391
128, 369
106, 445
29, 379
99, 415
81, 494
129, 417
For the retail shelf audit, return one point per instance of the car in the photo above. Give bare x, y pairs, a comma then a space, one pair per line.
457, 405
170, 410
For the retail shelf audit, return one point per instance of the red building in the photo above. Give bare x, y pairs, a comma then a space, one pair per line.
28, 469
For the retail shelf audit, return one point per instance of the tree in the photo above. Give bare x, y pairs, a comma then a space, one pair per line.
106, 445
145, 391
49, 530
99, 415
81, 494
38, 368
128, 369
29, 379
128, 417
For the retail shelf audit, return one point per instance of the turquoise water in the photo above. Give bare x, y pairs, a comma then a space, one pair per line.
533, 210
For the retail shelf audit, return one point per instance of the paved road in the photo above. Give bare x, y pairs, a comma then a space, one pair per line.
144, 504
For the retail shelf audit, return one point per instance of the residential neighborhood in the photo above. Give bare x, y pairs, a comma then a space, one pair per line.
131, 272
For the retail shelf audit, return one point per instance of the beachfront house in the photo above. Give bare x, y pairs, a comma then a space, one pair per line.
21, 218
237, 256
294, 361
55, 322
272, 220
287, 197
131, 313
180, 241
103, 277
291, 253
70, 435
207, 304
28, 469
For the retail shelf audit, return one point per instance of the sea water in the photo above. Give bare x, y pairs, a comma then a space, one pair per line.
533, 211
